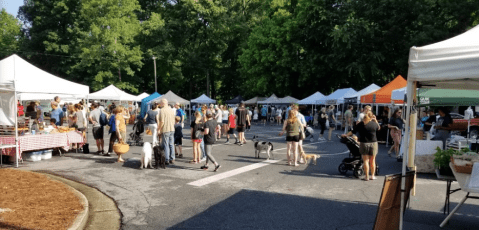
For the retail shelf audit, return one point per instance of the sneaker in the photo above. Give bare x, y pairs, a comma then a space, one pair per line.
227, 142
203, 159
107, 155
204, 167
241, 145
217, 167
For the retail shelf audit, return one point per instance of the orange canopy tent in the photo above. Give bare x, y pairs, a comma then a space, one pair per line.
383, 95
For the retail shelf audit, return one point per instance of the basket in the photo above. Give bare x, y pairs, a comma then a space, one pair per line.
121, 148
467, 169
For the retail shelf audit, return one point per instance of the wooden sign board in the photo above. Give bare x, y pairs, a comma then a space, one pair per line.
387, 217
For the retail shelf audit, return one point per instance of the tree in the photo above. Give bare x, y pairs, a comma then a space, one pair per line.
106, 44
10, 28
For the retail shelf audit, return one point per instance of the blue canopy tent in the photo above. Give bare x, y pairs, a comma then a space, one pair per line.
144, 103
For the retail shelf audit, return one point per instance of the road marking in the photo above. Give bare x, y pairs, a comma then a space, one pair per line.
234, 172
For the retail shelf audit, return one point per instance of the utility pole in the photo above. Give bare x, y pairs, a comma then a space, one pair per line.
154, 63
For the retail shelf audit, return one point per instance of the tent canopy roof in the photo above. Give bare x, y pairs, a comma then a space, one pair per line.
311, 100
270, 100
371, 88
383, 95
254, 100
337, 97
34, 83
238, 99
203, 99
111, 92
142, 96
287, 100
451, 64
448, 97
172, 98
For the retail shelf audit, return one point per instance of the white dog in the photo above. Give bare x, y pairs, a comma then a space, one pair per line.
146, 156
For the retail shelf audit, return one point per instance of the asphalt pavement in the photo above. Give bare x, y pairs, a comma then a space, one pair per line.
250, 193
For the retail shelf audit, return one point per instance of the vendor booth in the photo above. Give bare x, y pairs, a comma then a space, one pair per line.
172, 99
145, 103
273, 99
142, 96
287, 100
451, 64
312, 100
383, 95
111, 92
254, 100
203, 99
18, 77
356, 99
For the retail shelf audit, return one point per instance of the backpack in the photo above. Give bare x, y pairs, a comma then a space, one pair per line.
103, 119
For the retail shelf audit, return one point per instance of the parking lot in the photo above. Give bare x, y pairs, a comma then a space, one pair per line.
250, 193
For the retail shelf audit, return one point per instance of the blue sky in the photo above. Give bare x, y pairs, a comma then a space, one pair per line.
11, 6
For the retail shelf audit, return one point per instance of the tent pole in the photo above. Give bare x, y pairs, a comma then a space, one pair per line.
405, 156
16, 124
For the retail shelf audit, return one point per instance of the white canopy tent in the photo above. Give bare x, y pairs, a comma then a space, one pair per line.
273, 99
312, 100
287, 100
203, 99
142, 96
449, 64
171, 97
111, 92
337, 97
17, 76
371, 88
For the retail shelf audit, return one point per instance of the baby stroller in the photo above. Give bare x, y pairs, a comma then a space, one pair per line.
308, 131
135, 138
354, 162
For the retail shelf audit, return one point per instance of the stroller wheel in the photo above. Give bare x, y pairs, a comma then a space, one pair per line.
358, 171
343, 169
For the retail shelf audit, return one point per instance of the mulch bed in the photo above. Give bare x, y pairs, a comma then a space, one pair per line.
33, 201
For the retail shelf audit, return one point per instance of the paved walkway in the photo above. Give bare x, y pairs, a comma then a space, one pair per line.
249, 193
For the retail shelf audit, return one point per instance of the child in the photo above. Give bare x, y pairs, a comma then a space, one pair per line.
178, 137
231, 126
210, 139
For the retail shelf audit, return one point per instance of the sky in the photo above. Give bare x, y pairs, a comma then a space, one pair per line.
11, 6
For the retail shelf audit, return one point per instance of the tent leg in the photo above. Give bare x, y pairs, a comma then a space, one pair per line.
410, 86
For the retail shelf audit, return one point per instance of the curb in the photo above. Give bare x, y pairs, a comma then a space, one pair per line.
103, 213
80, 221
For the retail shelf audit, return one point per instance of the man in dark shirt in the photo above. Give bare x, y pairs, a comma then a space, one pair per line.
242, 120
429, 121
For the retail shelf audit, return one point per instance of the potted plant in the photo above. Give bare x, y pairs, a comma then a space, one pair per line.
443, 157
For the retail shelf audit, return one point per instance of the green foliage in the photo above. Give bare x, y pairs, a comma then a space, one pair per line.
443, 157
240, 47
10, 29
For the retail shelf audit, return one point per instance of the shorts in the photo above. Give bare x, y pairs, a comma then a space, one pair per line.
240, 129
97, 133
292, 138
231, 131
178, 141
263, 117
197, 140
225, 122
370, 149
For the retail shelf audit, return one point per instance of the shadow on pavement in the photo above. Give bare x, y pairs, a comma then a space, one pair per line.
263, 210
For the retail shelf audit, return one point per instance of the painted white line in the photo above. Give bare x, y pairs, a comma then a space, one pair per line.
217, 177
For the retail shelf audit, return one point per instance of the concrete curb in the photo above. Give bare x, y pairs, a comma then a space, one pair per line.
102, 213
80, 221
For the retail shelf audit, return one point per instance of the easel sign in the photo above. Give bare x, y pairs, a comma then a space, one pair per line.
387, 217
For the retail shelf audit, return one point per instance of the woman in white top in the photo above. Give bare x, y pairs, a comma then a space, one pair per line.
219, 121
225, 118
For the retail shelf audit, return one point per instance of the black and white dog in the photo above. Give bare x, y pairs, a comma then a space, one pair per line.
262, 146
160, 158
